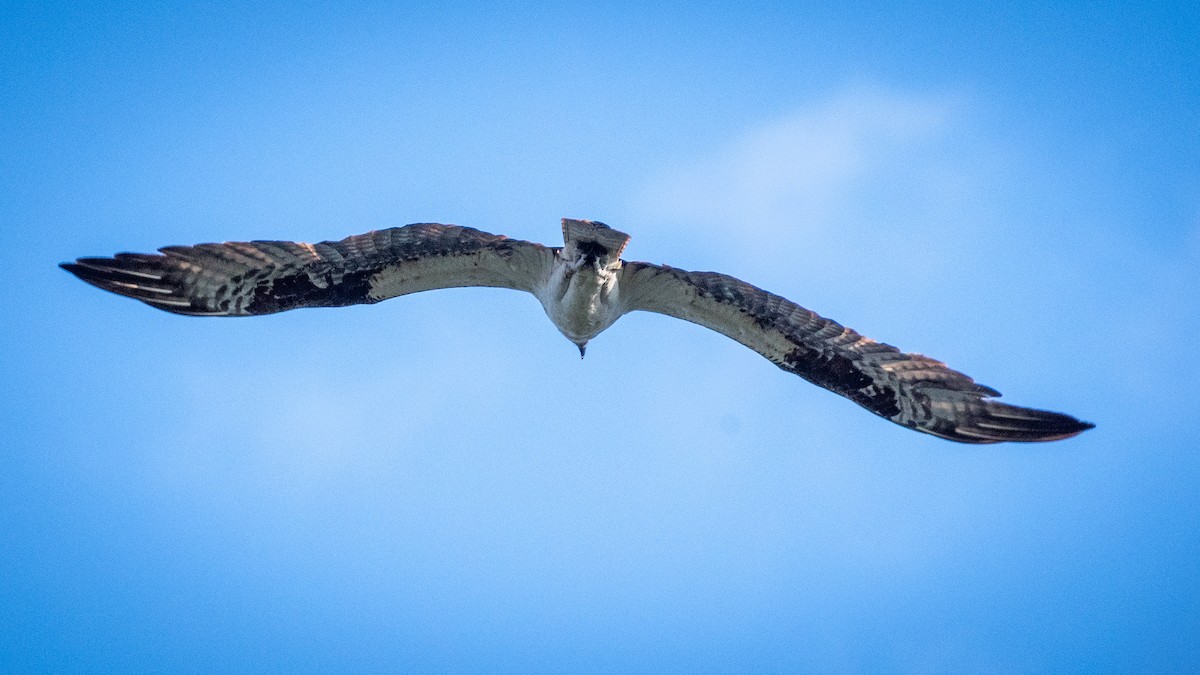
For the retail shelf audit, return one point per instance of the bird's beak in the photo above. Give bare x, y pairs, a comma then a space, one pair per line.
582, 348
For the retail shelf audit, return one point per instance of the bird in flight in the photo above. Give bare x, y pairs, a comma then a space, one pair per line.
584, 287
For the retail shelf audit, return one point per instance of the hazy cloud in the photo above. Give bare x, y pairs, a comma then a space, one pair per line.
803, 167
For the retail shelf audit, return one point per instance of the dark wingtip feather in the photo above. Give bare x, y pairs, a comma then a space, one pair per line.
996, 422
89, 273
134, 276
1084, 426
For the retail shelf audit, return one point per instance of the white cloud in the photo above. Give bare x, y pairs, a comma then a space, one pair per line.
793, 173
865, 189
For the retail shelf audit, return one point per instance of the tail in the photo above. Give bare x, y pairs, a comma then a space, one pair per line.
593, 239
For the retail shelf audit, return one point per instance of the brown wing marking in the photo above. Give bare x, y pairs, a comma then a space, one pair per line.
909, 389
263, 277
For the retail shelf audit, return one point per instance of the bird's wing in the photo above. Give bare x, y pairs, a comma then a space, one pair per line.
263, 277
909, 389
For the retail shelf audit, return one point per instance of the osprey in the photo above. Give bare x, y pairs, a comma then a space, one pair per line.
584, 287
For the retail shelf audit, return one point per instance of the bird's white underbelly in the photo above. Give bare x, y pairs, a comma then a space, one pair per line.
586, 307
581, 323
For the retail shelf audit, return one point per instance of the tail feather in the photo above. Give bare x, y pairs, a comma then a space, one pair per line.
593, 238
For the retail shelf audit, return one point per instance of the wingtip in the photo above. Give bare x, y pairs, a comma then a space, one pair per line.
1070, 426
1068, 430
997, 422
80, 270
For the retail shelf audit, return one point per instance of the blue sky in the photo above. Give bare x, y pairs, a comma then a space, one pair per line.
439, 483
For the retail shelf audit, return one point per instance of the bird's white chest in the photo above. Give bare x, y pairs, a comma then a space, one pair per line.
582, 302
